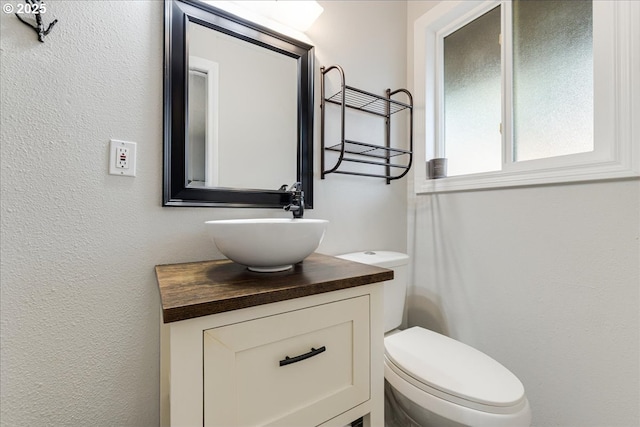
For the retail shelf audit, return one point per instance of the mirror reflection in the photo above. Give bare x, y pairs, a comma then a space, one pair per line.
242, 113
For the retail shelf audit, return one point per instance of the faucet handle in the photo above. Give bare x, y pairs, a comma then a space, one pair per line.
283, 187
296, 186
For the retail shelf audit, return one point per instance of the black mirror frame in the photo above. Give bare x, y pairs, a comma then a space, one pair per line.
178, 13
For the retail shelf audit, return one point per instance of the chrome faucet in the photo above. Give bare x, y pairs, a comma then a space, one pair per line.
296, 204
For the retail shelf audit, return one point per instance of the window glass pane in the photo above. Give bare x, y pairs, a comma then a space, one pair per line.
552, 78
472, 96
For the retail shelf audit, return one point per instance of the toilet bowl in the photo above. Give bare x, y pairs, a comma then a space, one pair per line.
434, 380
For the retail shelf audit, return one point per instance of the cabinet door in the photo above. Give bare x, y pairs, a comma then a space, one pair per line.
248, 380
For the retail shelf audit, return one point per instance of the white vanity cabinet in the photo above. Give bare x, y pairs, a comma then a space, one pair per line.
303, 361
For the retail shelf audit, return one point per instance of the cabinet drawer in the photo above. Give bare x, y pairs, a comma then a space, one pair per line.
248, 380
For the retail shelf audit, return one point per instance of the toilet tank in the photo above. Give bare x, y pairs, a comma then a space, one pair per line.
395, 290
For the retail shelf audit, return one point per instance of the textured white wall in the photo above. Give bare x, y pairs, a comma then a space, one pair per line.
368, 39
79, 304
544, 279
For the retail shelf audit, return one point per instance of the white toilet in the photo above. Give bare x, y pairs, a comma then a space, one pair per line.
433, 380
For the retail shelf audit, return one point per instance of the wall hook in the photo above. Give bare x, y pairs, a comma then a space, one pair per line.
36, 8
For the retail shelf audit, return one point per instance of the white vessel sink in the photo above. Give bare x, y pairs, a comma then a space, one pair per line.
268, 244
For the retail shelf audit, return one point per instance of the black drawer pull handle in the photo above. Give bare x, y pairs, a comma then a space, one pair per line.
314, 352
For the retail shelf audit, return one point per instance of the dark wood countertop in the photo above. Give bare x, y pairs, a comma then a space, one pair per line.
197, 289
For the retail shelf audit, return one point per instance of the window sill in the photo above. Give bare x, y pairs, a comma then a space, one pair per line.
496, 180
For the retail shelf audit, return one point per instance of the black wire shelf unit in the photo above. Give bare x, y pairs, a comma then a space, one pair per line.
395, 162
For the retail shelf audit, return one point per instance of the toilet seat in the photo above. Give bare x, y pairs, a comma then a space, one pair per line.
453, 371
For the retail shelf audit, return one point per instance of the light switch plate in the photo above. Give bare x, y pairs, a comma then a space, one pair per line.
122, 158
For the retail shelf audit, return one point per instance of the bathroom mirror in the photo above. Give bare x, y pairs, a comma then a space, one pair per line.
238, 110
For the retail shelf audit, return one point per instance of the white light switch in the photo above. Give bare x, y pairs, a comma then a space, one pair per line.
122, 158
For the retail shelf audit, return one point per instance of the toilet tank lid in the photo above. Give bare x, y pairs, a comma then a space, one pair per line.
385, 259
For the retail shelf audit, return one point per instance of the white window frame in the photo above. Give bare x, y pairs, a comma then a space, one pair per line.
616, 151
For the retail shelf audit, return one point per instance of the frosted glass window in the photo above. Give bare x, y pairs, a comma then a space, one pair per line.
567, 92
552, 78
472, 96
